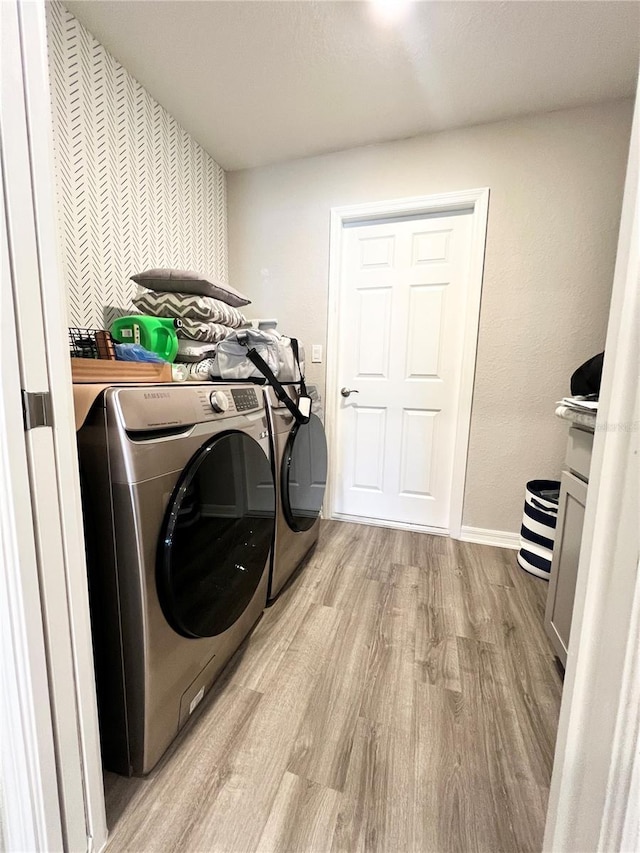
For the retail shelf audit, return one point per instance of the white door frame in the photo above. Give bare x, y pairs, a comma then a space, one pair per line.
594, 801
30, 801
477, 201
51, 775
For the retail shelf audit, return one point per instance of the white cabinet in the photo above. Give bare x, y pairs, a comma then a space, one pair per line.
566, 551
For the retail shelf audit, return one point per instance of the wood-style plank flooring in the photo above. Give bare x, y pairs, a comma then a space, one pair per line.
400, 695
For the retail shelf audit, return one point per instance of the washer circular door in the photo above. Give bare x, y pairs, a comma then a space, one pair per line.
304, 474
216, 536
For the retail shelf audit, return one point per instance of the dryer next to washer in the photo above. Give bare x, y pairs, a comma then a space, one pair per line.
300, 471
179, 505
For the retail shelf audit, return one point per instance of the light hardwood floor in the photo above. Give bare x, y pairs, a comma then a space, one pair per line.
400, 695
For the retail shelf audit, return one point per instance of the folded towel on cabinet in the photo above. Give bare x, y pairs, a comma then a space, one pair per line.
192, 351
200, 371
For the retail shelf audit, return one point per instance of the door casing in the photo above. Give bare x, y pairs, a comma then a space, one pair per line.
476, 200
50, 771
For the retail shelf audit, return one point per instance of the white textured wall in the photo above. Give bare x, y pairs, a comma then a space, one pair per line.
556, 184
133, 189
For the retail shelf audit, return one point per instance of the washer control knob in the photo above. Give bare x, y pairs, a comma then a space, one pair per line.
219, 401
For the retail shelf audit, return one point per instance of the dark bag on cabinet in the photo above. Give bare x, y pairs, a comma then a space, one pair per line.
586, 379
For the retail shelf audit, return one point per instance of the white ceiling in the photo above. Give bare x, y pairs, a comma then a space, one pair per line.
256, 81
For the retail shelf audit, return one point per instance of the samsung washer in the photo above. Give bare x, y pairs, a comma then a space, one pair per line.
300, 472
179, 505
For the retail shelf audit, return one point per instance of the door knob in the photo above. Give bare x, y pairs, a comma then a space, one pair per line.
346, 391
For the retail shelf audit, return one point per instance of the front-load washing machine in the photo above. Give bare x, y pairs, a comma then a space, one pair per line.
300, 472
179, 505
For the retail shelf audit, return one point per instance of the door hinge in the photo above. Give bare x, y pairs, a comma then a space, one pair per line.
37, 409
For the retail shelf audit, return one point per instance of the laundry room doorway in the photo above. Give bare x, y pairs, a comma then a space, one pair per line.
404, 306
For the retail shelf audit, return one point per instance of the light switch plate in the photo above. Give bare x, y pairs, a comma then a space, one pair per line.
316, 353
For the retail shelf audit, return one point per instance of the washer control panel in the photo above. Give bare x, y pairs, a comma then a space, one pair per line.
168, 406
245, 399
214, 402
219, 401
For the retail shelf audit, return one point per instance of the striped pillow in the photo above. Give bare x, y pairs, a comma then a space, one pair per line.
211, 332
206, 309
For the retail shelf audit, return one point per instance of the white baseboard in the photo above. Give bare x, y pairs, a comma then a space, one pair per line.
396, 525
500, 538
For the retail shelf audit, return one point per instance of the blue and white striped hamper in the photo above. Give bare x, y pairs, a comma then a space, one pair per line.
539, 527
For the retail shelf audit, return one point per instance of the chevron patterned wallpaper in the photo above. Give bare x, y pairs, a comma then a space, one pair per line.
133, 189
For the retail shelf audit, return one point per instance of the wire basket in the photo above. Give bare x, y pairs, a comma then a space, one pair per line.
91, 343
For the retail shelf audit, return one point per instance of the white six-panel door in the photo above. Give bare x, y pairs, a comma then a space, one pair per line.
401, 335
